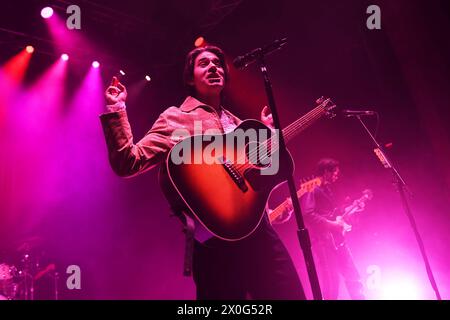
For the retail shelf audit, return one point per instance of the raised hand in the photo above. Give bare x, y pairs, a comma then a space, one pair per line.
116, 92
266, 117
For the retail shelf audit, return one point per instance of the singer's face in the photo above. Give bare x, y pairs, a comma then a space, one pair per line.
208, 77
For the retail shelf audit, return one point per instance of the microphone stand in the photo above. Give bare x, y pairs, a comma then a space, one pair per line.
302, 232
402, 189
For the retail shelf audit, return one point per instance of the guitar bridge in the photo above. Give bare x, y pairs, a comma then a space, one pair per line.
234, 174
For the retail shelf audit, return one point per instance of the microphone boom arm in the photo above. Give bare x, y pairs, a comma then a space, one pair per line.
243, 61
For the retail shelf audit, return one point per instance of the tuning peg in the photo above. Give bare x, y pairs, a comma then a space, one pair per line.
320, 100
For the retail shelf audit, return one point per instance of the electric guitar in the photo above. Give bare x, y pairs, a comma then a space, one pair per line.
227, 191
307, 186
344, 219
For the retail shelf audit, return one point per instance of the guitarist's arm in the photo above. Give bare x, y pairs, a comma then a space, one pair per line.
313, 219
285, 215
311, 216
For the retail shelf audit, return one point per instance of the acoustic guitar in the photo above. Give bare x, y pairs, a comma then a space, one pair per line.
227, 190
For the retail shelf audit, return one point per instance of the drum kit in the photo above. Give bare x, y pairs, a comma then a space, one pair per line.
8, 288
19, 276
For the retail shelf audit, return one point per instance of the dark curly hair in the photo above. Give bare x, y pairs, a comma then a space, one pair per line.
326, 164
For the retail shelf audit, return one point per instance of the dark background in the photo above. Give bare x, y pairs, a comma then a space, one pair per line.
119, 231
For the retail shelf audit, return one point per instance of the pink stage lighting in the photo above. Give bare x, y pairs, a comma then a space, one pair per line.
47, 12
401, 287
65, 56
95, 64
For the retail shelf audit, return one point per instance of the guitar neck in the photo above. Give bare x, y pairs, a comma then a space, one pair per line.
348, 211
351, 209
278, 211
304, 122
292, 130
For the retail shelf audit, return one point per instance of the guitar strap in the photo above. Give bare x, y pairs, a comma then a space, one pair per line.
189, 229
189, 235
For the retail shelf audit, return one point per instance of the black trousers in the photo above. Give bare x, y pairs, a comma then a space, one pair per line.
258, 267
332, 263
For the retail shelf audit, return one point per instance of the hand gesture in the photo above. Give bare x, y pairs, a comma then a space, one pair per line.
287, 213
266, 117
116, 92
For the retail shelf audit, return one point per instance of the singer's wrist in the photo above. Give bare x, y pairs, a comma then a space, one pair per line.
118, 106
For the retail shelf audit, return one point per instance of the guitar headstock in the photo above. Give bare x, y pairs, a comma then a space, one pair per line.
328, 106
309, 184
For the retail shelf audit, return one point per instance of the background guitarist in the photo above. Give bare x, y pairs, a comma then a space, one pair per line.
332, 256
258, 265
332, 260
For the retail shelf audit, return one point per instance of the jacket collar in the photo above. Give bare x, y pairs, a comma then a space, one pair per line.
190, 103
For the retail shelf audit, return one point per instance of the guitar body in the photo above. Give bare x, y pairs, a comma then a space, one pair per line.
338, 239
356, 207
228, 196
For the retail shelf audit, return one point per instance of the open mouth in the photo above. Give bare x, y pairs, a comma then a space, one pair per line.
213, 76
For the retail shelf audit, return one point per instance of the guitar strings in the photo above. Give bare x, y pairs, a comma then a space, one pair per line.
287, 132
292, 128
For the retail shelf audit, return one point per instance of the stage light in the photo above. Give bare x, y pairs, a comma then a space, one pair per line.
65, 56
199, 42
121, 72
15, 68
401, 288
29, 49
47, 12
95, 64
148, 78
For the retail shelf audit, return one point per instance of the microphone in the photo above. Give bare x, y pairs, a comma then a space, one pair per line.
355, 113
243, 61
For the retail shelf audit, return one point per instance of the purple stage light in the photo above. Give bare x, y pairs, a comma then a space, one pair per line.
65, 56
95, 64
